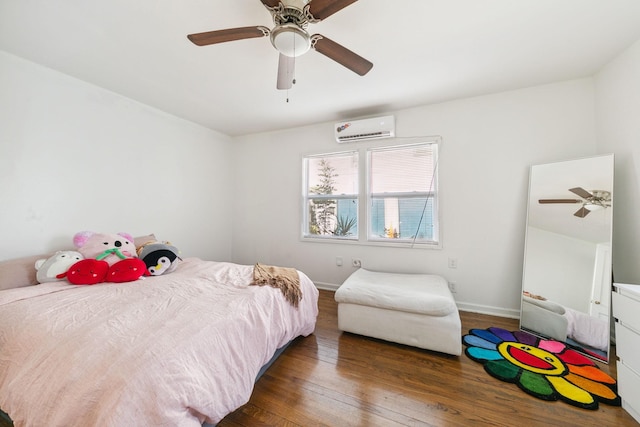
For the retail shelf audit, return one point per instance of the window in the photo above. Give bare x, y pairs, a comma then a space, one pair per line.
376, 196
401, 194
331, 196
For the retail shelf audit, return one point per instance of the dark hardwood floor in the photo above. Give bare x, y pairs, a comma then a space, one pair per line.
339, 379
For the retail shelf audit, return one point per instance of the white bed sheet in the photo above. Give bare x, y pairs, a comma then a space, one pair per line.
173, 350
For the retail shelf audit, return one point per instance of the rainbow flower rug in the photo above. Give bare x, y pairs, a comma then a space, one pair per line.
546, 369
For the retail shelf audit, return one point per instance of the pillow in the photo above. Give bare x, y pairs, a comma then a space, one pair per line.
143, 240
19, 272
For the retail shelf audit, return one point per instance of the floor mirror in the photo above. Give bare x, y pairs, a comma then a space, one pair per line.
566, 286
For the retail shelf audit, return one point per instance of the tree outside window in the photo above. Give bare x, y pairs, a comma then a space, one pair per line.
332, 204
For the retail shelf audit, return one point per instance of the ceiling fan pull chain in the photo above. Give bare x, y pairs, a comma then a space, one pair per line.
293, 78
293, 74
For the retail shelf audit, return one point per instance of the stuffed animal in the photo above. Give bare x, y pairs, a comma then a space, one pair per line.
86, 272
93, 271
108, 258
49, 268
159, 258
126, 270
107, 247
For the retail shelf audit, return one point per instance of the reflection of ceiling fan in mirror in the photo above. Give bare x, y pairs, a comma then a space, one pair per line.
290, 37
597, 199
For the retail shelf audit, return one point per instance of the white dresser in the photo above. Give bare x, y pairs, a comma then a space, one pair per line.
626, 310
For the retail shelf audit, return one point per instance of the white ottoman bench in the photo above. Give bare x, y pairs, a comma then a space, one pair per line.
412, 309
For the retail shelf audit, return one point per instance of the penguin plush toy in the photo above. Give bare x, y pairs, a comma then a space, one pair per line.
160, 258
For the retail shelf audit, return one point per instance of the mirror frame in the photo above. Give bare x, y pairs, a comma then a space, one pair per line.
556, 300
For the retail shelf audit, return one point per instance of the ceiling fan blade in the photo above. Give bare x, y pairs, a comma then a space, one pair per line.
231, 34
270, 3
549, 201
340, 54
286, 72
322, 9
582, 212
581, 192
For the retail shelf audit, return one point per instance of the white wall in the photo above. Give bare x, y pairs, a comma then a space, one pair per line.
617, 91
560, 268
76, 157
489, 142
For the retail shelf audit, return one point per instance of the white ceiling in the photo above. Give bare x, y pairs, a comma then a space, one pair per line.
423, 51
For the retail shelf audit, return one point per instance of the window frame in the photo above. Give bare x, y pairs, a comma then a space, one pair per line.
432, 194
307, 197
363, 195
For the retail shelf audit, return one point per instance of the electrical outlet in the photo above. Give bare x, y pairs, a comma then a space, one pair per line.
356, 263
452, 287
339, 261
453, 263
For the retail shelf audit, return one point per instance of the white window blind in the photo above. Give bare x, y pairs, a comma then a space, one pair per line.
402, 196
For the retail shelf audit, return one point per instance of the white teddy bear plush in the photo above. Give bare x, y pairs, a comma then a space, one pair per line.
58, 263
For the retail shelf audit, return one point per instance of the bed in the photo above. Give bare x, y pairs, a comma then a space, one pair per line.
180, 349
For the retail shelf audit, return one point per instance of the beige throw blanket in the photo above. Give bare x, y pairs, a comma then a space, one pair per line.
283, 278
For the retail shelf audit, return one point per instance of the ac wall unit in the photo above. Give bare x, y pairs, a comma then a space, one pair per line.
360, 130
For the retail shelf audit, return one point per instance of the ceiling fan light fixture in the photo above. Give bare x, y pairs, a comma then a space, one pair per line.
593, 206
290, 40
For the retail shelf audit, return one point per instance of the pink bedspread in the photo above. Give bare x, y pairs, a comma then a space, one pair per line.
174, 350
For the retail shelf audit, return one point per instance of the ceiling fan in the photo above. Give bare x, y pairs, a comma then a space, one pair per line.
597, 199
290, 37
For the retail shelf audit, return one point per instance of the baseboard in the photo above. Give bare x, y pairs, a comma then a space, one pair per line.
326, 286
462, 306
490, 310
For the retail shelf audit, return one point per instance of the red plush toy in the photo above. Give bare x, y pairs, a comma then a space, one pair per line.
126, 270
86, 272
93, 271
108, 258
